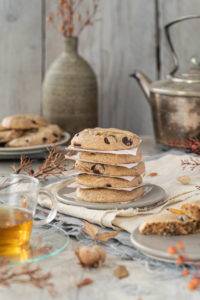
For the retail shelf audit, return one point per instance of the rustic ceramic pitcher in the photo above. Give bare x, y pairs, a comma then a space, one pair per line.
70, 91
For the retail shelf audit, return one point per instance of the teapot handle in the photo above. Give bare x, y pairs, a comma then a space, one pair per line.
169, 40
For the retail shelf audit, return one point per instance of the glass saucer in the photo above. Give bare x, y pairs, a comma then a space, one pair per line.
46, 241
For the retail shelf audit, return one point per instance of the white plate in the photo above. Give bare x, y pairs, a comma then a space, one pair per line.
156, 246
153, 197
38, 150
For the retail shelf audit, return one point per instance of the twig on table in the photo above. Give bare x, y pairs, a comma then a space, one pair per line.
54, 165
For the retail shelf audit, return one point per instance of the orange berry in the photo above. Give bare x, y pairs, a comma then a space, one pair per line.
172, 250
185, 272
194, 283
180, 260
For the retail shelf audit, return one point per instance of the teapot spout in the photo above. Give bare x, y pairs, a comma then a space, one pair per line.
144, 83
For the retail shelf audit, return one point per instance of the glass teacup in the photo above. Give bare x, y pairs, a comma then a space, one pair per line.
18, 201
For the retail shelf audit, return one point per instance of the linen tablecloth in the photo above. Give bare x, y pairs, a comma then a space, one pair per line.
167, 169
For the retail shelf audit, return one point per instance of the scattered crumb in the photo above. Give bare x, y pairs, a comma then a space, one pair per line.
121, 272
84, 282
152, 174
184, 179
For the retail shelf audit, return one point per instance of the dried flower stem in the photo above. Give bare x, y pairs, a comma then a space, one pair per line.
54, 165
26, 274
70, 17
191, 162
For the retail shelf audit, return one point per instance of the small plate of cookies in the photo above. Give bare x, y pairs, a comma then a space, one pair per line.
29, 134
109, 171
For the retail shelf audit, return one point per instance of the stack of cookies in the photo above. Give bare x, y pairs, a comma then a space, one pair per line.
109, 165
28, 130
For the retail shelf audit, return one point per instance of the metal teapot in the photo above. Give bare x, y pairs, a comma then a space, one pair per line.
175, 101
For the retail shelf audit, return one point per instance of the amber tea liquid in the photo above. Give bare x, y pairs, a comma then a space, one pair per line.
15, 230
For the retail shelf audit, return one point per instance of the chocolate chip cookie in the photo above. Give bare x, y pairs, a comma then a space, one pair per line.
105, 139
108, 195
92, 181
113, 159
109, 170
44, 135
8, 135
23, 122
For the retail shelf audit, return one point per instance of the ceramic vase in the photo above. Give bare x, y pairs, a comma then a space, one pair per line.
70, 91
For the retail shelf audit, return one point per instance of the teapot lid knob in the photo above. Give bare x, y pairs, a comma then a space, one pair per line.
195, 62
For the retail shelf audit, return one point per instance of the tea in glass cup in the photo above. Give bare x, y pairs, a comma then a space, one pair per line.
18, 202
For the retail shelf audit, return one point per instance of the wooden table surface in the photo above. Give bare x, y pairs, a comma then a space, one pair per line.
143, 282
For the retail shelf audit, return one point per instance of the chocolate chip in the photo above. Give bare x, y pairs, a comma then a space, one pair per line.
27, 140
106, 140
33, 121
55, 134
98, 169
77, 145
127, 141
108, 185
44, 139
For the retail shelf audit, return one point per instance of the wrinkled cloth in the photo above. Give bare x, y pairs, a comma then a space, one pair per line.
167, 169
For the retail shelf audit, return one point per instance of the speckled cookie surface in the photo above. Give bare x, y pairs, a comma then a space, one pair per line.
108, 195
108, 170
93, 181
8, 135
2, 128
169, 224
192, 209
113, 159
23, 122
44, 135
105, 139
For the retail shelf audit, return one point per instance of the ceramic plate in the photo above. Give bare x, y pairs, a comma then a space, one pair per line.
153, 196
36, 151
156, 246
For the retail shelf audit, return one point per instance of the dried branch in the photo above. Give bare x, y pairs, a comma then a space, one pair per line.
69, 16
25, 165
191, 162
54, 165
191, 145
26, 274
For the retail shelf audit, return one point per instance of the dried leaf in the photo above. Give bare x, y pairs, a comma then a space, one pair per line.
121, 272
176, 211
152, 174
94, 232
184, 180
104, 237
91, 230
84, 282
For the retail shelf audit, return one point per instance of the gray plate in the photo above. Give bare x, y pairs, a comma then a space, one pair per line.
35, 151
154, 196
156, 246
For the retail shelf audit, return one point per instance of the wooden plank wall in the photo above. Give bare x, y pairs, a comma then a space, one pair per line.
128, 36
